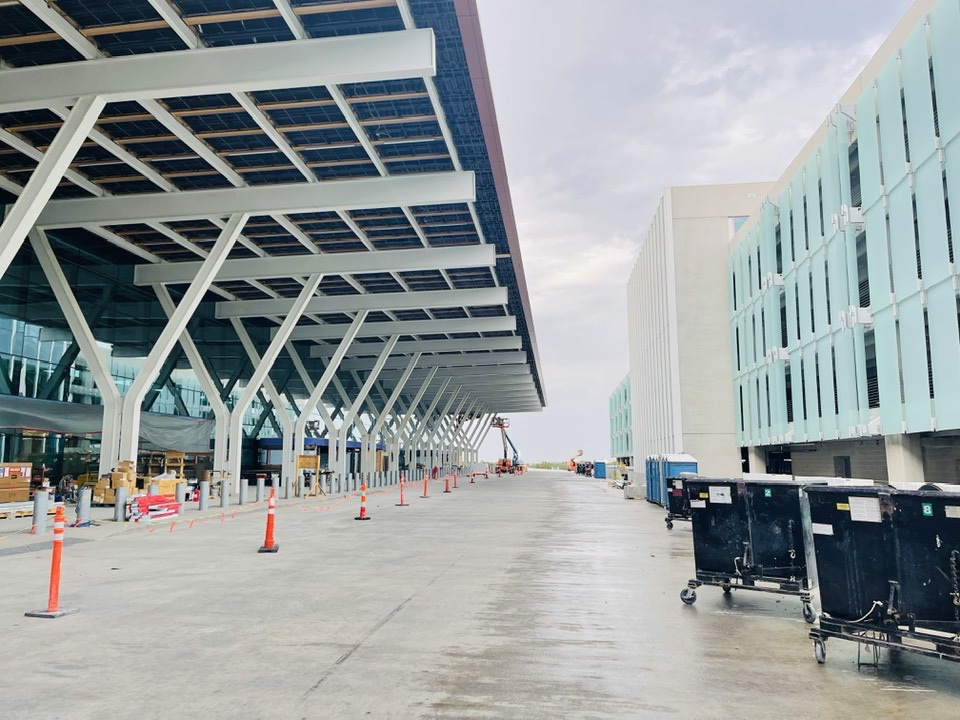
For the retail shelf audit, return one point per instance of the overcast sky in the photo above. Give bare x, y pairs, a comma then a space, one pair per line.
604, 103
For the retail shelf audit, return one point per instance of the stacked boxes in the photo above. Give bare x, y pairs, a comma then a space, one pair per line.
105, 491
14, 488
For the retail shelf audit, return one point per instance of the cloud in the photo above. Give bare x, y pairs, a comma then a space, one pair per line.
602, 106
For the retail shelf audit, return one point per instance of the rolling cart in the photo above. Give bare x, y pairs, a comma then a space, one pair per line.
889, 568
678, 501
750, 535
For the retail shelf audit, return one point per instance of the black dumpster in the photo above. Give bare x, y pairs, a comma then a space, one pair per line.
749, 535
678, 501
889, 568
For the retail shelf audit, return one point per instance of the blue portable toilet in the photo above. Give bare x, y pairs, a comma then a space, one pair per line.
671, 467
652, 466
600, 470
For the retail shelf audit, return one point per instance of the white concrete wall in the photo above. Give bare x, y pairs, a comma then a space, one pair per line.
678, 327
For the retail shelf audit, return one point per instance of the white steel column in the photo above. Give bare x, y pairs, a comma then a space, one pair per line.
316, 394
22, 216
435, 426
260, 372
287, 462
351, 413
411, 408
391, 401
130, 419
110, 435
446, 437
410, 445
221, 412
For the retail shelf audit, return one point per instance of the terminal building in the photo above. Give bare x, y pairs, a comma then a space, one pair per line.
830, 346
258, 220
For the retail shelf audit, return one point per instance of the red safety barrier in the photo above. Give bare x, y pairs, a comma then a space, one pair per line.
403, 484
269, 546
446, 483
53, 598
363, 504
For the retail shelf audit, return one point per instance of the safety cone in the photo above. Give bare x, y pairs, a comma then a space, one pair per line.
403, 484
446, 483
363, 504
269, 546
53, 598
426, 480
456, 485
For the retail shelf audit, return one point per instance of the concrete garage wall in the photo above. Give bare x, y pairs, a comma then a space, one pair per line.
867, 459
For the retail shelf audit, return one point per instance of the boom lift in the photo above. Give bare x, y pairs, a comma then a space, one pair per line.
572, 462
505, 464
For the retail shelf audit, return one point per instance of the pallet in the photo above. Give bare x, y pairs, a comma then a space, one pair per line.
24, 509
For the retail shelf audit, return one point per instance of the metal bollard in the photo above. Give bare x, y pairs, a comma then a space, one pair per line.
41, 502
261, 486
244, 490
181, 493
83, 505
224, 492
153, 489
204, 494
120, 509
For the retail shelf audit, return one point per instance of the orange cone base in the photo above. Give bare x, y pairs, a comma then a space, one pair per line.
362, 517
266, 549
402, 505
52, 615
448, 491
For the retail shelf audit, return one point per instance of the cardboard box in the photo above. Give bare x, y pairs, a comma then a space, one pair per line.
14, 484
8, 496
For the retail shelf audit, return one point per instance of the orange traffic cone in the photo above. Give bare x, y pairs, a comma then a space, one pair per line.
269, 546
53, 597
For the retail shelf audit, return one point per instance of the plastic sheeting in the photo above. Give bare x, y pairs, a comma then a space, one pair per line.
170, 432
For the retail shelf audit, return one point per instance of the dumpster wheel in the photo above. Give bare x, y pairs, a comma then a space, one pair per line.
808, 613
669, 523
725, 587
820, 651
688, 596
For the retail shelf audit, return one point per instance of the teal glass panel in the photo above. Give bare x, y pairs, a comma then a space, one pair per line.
903, 250
778, 400
860, 367
918, 100
801, 240
846, 383
944, 31
891, 125
818, 279
763, 426
816, 227
803, 286
830, 177
868, 149
888, 371
878, 262
951, 161
790, 295
839, 150
767, 237
944, 353
796, 393
839, 282
828, 415
810, 380
913, 360
931, 222
786, 231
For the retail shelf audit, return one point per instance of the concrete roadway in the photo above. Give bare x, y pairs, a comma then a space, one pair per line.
545, 596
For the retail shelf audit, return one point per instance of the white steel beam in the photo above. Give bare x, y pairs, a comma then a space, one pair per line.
315, 400
512, 372
409, 327
292, 198
221, 412
110, 433
426, 346
22, 216
260, 372
351, 414
286, 266
367, 57
370, 301
392, 400
469, 360
130, 427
